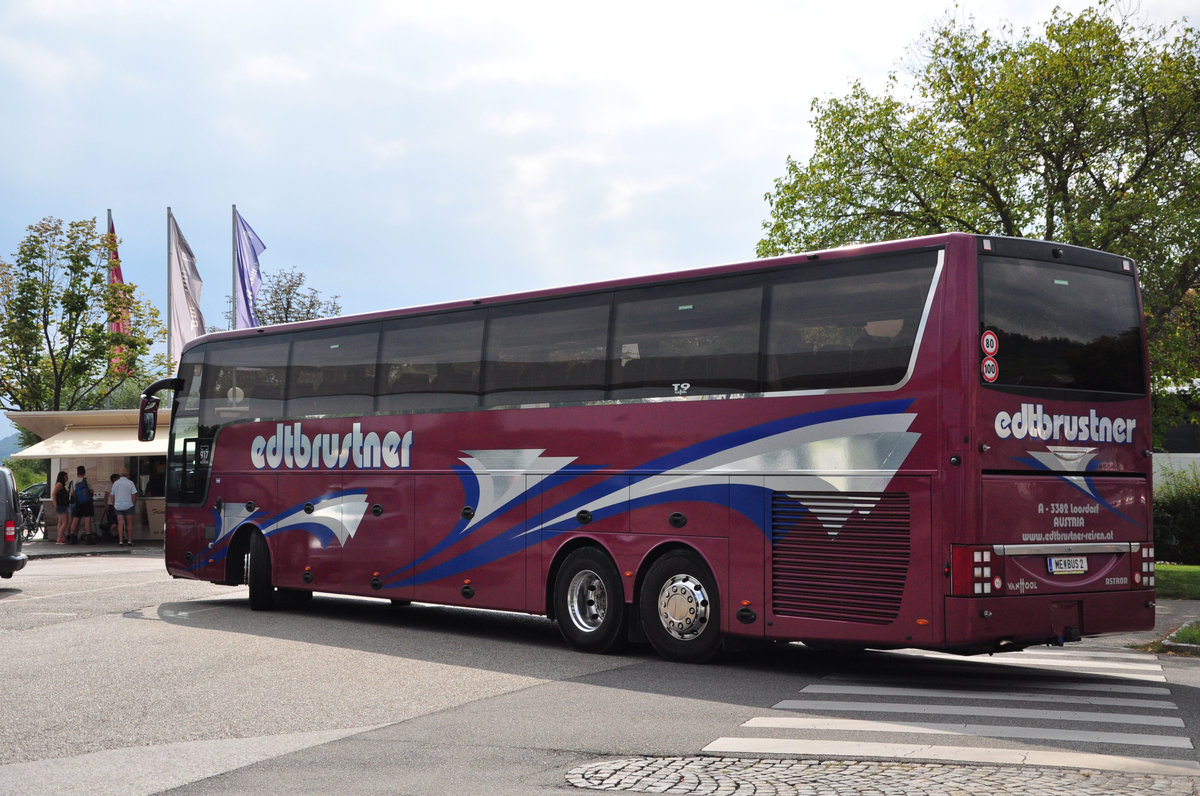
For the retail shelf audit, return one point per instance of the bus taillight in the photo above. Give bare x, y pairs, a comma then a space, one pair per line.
978, 572
1143, 567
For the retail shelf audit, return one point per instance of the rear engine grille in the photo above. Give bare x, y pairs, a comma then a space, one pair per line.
840, 556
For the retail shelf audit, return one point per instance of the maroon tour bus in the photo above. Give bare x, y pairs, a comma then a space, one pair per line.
941, 443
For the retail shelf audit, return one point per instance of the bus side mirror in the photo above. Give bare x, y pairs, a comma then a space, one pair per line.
147, 418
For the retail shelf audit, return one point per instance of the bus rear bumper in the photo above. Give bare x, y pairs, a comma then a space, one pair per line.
1000, 623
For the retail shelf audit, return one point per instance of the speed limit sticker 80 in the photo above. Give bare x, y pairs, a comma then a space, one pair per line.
990, 343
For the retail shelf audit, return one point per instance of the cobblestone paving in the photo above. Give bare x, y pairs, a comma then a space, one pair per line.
728, 776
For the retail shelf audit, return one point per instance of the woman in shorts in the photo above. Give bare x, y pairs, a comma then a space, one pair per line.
62, 500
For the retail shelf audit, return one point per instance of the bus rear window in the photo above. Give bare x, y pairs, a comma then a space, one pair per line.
1059, 327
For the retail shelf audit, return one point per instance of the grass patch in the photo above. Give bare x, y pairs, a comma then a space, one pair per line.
1188, 634
1177, 581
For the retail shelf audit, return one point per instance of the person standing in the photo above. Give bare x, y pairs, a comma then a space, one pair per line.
124, 499
82, 509
62, 505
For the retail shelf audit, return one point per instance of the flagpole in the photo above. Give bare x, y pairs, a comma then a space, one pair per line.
233, 319
170, 298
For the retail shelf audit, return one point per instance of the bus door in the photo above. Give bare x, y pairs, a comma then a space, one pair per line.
469, 547
306, 550
192, 524
382, 542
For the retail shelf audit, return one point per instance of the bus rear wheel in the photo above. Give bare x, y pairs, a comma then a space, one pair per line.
263, 596
679, 608
589, 603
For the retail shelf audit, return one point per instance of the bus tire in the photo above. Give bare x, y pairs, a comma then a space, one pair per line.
589, 603
679, 608
263, 596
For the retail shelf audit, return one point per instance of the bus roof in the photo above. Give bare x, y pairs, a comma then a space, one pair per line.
851, 250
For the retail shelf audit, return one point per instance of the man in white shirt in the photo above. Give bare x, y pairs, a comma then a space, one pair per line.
124, 498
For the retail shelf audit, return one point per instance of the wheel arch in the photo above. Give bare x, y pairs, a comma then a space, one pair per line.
666, 548
236, 552
556, 563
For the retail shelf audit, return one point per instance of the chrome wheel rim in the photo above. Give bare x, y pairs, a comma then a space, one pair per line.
683, 607
587, 601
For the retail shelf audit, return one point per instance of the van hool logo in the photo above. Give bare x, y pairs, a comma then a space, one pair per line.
291, 448
1034, 422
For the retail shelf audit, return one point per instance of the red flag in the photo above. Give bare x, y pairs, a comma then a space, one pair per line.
120, 325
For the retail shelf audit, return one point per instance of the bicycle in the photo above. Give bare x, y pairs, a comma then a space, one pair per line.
33, 519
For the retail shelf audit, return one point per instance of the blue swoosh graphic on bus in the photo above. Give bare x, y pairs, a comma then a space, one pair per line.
497, 502
334, 517
856, 448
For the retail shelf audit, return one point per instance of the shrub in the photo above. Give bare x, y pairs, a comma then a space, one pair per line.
1177, 516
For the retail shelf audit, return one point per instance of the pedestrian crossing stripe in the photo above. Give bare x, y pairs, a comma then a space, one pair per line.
979, 710
994, 696
1073, 661
975, 730
855, 750
1105, 687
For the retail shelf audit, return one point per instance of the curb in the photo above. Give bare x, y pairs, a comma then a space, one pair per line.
78, 554
1169, 643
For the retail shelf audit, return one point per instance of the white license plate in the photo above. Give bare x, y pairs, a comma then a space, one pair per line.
1067, 565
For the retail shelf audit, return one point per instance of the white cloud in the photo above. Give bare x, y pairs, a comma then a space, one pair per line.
37, 64
487, 145
273, 71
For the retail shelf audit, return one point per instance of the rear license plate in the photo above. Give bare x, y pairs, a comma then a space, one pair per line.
1067, 565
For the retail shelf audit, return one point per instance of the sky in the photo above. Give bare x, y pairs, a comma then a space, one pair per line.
403, 153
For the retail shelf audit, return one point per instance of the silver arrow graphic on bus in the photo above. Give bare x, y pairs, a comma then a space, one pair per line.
1070, 459
859, 454
503, 475
333, 516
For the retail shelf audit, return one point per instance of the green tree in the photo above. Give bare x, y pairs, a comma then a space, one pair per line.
1088, 133
284, 299
57, 348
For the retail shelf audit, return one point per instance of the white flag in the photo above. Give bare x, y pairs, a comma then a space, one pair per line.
186, 321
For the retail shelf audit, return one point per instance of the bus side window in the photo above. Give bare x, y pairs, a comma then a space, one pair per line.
690, 339
427, 363
533, 351
333, 373
244, 379
853, 327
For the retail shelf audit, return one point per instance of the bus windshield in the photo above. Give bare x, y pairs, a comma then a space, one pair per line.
1061, 327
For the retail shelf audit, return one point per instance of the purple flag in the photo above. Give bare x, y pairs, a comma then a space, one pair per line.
249, 280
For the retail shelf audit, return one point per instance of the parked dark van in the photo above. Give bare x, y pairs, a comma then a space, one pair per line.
11, 557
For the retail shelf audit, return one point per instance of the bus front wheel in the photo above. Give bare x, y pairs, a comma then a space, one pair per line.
589, 604
258, 575
679, 608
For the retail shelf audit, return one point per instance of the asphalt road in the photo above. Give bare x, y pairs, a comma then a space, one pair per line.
122, 680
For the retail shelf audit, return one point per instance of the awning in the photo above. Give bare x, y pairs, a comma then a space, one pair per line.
87, 441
